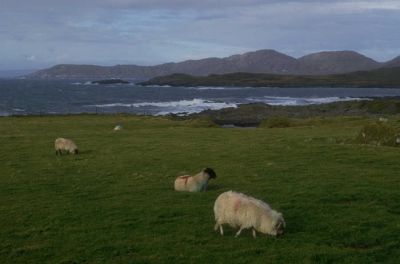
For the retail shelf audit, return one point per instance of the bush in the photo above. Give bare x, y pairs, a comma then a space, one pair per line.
201, 122
379, 133
277, 122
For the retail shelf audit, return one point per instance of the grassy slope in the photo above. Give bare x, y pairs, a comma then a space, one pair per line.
115, 203
384, 77
253, 114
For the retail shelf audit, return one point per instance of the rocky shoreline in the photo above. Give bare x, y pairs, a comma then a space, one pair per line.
250, 115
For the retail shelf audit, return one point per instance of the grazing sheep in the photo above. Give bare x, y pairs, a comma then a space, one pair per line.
68, 145
241, 211
197, 183
117, 127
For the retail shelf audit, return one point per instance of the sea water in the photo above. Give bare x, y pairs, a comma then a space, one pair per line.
32, 97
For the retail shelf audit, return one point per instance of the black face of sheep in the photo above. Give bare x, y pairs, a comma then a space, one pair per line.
76, 151
280, 227
210, 173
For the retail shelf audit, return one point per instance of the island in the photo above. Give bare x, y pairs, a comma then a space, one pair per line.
110, 81
382, 78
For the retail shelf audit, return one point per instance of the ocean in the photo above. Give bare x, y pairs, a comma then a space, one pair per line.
39, 97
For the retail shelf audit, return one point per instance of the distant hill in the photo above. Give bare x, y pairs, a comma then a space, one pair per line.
261, 61
383, 77
393, 63
15, 73
336, 62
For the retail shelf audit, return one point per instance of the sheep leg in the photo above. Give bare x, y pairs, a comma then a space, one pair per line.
254, 233
238, 232
218, 225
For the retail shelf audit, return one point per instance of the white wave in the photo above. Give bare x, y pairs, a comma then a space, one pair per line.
18, 110
90, 83
84, 83
111, 105
184, 107
175, 107
279, 100
159, 86
218, 88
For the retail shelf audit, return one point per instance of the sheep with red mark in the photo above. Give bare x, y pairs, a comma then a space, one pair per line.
196, 183
241, 211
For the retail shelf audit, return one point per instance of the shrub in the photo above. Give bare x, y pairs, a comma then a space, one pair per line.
277, 122
378, 133
201, 122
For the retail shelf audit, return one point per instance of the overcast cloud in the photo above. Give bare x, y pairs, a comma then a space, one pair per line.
41, 33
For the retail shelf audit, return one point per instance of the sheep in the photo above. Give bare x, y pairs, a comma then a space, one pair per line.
117, 127
68, 145
241, 211
197, 183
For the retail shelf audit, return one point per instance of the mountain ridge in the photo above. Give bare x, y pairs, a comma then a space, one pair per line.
261, 61
393, 63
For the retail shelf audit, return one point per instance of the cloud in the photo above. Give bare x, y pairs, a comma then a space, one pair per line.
346, 6
355, 6
30, 57
138, 4
155, 31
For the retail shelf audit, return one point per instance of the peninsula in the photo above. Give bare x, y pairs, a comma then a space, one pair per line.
382, 78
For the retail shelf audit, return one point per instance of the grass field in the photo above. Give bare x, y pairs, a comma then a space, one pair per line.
114, 202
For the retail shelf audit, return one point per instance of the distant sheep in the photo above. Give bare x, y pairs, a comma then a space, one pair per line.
64, 144
117, 128
241, 211
197, 183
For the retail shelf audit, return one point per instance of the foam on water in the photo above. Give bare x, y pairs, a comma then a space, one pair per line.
197, 105
219, 88
174, 107
159, 86
287, 101
18, 110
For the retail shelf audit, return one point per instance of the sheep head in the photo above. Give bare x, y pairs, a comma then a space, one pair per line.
210, 172
280, 225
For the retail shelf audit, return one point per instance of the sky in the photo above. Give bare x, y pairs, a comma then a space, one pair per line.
37, 34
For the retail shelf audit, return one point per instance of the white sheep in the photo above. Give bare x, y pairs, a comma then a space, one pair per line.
117, 128
241, 211
196, 183
64, 144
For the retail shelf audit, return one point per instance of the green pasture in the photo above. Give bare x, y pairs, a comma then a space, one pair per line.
115, 203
